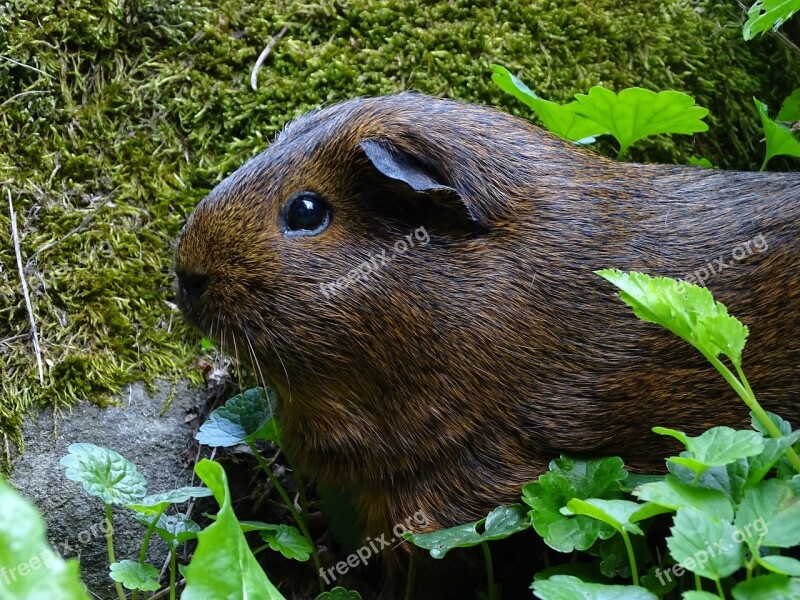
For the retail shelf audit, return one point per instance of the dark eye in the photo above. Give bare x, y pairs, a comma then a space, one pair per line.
307, 213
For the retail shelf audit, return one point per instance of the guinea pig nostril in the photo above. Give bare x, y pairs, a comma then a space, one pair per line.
193, 285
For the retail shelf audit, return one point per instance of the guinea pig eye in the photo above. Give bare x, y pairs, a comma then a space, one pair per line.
306, 213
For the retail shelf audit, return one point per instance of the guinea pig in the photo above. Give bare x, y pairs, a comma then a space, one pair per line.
415, 277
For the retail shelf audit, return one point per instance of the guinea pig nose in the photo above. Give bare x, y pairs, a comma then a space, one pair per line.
192, 286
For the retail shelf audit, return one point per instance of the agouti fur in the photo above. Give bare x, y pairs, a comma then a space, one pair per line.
453, 374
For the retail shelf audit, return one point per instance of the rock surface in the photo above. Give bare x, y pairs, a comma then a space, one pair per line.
135, 429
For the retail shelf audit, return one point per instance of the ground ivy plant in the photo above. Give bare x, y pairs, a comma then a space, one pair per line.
733, 496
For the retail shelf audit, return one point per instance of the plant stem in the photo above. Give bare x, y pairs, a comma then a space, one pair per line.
290, 505
173, 567
720, 591
110, 544
412, 571
746, 394
151, 527
631, 557
487, 556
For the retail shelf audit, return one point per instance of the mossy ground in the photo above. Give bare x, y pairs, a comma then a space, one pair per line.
150, 101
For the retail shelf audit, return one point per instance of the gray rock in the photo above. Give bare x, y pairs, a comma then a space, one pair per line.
76, 522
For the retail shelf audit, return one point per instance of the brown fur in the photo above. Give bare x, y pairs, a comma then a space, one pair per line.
459, 370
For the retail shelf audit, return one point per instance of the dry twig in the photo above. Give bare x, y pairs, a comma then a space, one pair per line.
263, 56
34, 333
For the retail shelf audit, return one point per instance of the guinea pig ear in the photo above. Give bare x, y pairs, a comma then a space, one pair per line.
435, 200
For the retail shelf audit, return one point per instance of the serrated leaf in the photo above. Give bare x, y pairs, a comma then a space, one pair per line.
768, 14
566, 587
768, 587
287, 540
223, 565
40, 572
774, 448
780, 139
246, 417
173, 529
636, 113
104, 474
499, 524
617, 513
716, 447
714, 478
567, 479
782, 424
135, 576
556, 118
339, 593
790, 109
156, 503
769, 515
693, 544
687, 310
675, 495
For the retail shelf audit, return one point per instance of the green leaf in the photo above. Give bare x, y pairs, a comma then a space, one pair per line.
768, 14
287, 540
780, 139
785, 565
675, 494
614, 559
30, 569
135, 576
701, 162
695, 595
714, 478
637, 113
156, 503
585, 571
499, 524
657, 581
206, 344
246, 417
339, 593
769, 516
173, 529
617, 513
687, 310
693, 544
104, 474
790, 109
556, 118
716, 447
768, 587
634, 480
223, 565
567, 479
774, 448
782, 424
565, 587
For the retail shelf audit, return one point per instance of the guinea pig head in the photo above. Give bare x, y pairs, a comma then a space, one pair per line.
325, 262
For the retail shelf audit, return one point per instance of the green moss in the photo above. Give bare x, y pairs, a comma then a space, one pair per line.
151, 101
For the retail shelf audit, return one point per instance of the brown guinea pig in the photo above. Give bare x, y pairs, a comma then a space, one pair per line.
415, 278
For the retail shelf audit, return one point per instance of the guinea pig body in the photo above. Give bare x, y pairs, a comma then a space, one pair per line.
415, 278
